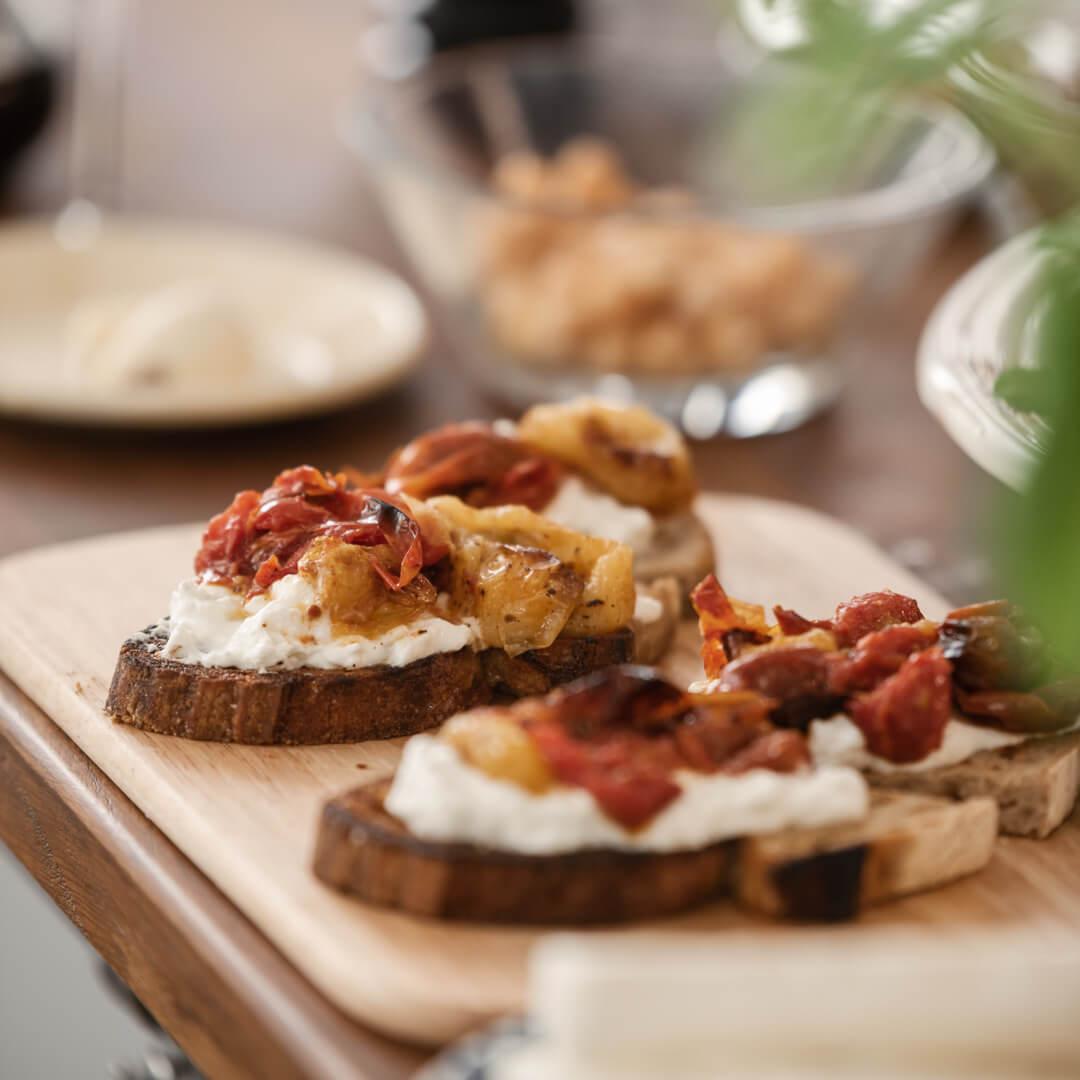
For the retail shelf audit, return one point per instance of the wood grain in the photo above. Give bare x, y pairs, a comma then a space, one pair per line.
235, 1004
246, 815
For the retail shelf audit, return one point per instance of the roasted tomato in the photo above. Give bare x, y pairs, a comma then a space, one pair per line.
797, 680
878, 655
993, 647
261, 538
623, 449
862, 615
477, 465
904, 719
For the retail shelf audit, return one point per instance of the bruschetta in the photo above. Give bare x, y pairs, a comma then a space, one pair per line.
614, 471
323, 612
971, 706
622, 797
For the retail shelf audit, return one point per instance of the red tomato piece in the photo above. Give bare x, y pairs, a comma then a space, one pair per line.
904, 719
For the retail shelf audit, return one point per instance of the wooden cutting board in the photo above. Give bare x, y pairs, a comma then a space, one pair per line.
246, 815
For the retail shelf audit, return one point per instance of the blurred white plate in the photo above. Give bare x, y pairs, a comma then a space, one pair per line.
330, 327
980, 328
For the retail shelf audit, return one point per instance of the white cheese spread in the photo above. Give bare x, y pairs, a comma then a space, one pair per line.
839, 742
442, 798
586, 510
214, 626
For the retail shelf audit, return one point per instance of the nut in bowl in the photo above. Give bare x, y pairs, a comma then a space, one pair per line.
591, 222
637, 292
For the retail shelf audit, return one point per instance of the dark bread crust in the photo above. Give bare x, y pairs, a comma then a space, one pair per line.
365, 851
312, 705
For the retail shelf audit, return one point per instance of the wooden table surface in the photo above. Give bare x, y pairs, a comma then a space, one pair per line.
261, 149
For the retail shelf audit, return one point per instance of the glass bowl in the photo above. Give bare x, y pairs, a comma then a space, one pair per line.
593, 220
987, 323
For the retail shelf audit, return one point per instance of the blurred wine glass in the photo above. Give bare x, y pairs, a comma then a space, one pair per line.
95, 169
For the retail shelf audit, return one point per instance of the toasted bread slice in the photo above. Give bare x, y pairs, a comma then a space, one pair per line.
654, 636
681, 549
364, 850
1035, 784
907, 843
313, 705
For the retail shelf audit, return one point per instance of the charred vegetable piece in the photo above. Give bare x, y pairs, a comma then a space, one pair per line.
738, 641
1050, 708
993, 647
791, 623
1011, 710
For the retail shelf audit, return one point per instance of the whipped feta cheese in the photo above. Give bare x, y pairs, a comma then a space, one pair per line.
586, 510
214, 626
839, 742
442, 798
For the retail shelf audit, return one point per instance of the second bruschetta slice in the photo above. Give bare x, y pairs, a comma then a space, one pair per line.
621, 797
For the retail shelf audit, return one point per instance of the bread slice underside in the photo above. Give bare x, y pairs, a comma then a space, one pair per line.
906, 843
1035, 783
315, 705
654, 636
681, 549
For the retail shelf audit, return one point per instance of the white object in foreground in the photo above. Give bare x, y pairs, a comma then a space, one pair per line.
971, 1005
